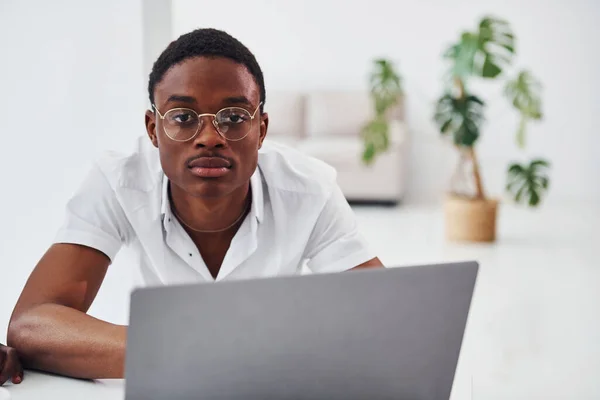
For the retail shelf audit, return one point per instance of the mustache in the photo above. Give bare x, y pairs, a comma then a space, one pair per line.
208, 154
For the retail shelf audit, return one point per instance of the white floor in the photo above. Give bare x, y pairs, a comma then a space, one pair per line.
534, 329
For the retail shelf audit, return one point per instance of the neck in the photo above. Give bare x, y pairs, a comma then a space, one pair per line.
209, 214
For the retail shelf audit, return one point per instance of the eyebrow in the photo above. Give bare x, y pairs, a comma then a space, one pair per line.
233, 100
237, 100
181, 99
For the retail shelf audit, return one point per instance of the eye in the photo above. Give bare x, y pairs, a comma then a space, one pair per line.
182, 117
233, 117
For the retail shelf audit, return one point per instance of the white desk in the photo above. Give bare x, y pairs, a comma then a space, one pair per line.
38, 385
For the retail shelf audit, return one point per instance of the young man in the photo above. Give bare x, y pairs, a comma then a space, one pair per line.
204, 198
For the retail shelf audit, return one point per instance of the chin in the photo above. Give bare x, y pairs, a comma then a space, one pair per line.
209, 188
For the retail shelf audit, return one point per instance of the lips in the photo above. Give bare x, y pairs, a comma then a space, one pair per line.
209, 167
210, 162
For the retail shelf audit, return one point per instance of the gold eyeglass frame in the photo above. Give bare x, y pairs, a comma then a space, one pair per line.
214, 121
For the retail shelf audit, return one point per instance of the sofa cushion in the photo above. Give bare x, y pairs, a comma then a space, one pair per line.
332, 149
335, 148
286, 140
286, 111
383, 180
337, 113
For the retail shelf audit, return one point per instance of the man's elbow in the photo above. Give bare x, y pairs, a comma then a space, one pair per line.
25, 334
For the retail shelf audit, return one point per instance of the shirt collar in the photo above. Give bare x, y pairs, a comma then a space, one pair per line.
256, 209
258, 205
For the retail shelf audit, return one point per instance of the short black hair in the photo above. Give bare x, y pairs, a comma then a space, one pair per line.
208, 42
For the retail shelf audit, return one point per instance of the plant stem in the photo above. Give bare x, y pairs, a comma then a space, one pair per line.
476, 175
479, 193
461, 87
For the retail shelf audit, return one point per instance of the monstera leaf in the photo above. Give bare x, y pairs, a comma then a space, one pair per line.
528, 183
460, 117
386, 90
376, 138
483, 53
386, 86
524, 94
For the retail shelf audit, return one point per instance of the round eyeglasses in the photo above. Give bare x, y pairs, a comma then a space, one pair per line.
183, 124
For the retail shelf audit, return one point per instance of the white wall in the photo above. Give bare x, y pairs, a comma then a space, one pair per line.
157, 27
330, 43
71, 87
73, 81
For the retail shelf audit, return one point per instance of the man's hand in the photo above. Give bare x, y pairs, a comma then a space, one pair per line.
372, 263
10, 366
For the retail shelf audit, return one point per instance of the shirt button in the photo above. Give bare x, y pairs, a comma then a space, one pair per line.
190, 254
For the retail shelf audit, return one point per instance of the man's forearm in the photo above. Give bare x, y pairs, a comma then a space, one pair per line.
65, 341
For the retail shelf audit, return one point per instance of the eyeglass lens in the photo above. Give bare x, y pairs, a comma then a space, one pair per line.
182, 124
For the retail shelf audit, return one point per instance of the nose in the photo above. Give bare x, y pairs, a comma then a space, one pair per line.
208, 135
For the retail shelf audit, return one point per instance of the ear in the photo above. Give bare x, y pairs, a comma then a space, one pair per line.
264, 124
151, 127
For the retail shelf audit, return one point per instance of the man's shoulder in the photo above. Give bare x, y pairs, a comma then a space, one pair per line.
137, 169
287, 169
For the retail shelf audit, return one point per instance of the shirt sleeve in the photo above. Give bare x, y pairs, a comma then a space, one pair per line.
94, 217
335, 243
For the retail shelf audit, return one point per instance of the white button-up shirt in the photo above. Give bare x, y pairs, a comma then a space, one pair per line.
298, 216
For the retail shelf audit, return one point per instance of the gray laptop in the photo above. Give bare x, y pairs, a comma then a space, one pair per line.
391, 333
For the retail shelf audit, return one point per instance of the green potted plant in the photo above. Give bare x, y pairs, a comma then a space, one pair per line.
386, 94
486, 53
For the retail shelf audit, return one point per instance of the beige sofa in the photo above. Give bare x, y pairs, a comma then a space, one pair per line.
326, 125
